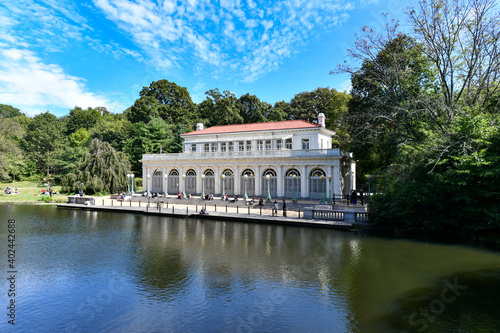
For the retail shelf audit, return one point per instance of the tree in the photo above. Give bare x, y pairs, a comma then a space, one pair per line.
8, 111
309, 104
101, 169
220, 109
12, 158
79, 118
174, 104
144, 108
44, 139
252, 109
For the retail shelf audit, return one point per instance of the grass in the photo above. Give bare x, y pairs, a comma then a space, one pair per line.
29, 191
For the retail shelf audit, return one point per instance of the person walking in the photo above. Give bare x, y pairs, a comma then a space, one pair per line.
275, 208
284, 208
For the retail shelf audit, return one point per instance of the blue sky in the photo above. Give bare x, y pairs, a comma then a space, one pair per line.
57, 54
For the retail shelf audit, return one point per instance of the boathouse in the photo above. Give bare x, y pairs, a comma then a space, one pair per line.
287, 159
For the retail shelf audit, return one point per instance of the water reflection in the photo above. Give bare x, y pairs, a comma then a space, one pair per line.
206, 276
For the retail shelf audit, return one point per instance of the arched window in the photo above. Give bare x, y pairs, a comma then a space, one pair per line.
250, 183
292, 185
209, 181
273, 183
190, 181
173, 182
317, 184
157, 181
228, 182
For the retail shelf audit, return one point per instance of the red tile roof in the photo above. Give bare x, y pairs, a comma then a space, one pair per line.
270, 126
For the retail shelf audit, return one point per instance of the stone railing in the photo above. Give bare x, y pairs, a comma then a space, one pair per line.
251, 154
334, 215
76, 199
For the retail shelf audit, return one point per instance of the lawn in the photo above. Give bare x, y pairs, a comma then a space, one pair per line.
29, 191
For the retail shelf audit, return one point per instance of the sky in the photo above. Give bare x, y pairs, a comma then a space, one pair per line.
58, 54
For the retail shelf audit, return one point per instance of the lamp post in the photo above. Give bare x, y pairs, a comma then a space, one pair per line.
202, 186
294, 178
223, 187
322, 177
149, 185
246, 196
165, 185
128, 183
184, 185
268, 190
330, 189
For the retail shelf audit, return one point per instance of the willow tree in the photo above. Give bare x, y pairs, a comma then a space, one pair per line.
101, 169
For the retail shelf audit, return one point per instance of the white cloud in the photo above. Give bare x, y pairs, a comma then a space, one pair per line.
28, 83
258, 35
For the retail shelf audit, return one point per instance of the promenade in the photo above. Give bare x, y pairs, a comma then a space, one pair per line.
224, 210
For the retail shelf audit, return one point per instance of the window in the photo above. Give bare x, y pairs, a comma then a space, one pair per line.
279, 144
288, 143
268, 145
193, 148
231, 146
213, 147
241, 146
207, 147
223, 147
305, 143
249, 145
321, 144
260, 145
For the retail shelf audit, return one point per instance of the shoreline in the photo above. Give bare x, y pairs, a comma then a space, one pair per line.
188, 211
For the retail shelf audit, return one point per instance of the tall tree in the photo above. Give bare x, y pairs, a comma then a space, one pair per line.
44, 139
101, 169
174, 103
80, 118
252, 109
220, 108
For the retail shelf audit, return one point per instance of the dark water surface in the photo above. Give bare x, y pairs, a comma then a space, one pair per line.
82, 271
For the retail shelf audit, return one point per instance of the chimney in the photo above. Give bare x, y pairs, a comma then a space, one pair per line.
321, 119
199, 126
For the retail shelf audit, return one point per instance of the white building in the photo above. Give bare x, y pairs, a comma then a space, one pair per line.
296, 155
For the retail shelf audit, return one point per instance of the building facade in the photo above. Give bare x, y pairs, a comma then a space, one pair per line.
287, 159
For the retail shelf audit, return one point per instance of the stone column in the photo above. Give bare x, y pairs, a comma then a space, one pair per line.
258, 180
237, 181
280, 192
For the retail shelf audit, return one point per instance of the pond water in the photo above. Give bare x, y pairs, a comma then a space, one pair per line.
83, 271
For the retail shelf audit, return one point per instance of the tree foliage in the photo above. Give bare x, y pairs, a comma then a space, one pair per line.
101, 169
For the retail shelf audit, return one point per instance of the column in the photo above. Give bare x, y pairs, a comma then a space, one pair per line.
240, 192
336, 180
304, 181
258, 180
280, 181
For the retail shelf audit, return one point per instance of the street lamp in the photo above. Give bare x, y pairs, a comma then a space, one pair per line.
246, 196
148, 184
268, 190
223, 187
294, 199
202, 186
330, 189
322, 177
184, 185
165, 185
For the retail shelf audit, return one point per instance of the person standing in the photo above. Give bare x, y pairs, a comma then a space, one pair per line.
275, 208
361, 196
284, 208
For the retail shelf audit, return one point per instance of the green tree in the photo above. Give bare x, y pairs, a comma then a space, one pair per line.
173, 104
8, 111
220, 108
44, 139
309, 104
12, 158
80, 118
252, 109
101, 169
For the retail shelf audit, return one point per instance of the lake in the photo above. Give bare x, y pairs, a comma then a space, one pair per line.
84, 271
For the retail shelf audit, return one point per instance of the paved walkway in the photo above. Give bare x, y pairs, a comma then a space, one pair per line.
220, 210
